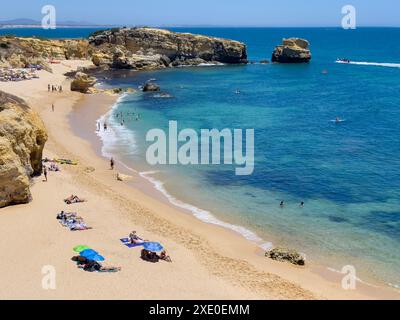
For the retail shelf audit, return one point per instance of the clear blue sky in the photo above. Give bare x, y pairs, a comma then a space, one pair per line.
210, 12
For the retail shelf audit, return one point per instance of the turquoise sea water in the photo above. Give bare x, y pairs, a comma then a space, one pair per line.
347, 174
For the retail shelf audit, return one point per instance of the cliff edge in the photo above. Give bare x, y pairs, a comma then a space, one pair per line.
22, 139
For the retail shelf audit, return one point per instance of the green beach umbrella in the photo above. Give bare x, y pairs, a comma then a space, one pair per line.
81, 248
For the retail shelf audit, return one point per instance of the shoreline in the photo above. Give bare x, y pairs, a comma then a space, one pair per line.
161, 195
210, 262
157, 190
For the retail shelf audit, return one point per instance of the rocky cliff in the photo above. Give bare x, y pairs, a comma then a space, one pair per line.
22, 139
125, 48
292, 50
21, 52
148, 48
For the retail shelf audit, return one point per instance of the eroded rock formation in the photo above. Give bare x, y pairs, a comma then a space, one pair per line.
82, 82
148, 48
21, 52
292, 50
22, 139
286, 255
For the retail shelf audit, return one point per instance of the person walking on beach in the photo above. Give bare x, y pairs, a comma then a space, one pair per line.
52, 107
45, 173
112, 163
48, 87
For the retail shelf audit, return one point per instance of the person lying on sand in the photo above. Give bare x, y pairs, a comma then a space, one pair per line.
65, 216
73, 199
78, 225
94, 266
149, 256
53, 167
164, 256
135, 239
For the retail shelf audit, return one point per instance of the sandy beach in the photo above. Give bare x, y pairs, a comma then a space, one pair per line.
209, 262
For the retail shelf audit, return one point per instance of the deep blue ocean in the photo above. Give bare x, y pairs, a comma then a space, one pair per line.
347, 174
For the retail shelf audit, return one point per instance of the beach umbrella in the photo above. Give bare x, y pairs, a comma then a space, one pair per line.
80, 248
88, 252
95, 257
153, 246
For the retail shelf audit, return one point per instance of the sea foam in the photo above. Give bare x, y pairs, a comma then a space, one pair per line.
204, 215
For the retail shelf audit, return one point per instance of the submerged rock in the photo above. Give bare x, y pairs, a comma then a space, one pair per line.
22, 139
286, 255
292, 50
151, 87
82, 82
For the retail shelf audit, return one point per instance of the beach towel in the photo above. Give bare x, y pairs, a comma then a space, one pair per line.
66, 161
127, 242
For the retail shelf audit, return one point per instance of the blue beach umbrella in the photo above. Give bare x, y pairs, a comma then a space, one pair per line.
88, 252
95, 257
153, 246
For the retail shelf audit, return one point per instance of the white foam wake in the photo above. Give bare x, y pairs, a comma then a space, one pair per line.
376, 64
204, 215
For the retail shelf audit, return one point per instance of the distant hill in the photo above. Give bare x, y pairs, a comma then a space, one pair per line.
31, 22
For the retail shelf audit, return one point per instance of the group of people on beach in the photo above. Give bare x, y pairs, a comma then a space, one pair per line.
74, 222
54, 88
121, 116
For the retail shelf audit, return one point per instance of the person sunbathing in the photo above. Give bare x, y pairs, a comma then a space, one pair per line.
79, 226
149, 256
73, 199
164, 256
94, 266
135, 239
65, 216
53, 167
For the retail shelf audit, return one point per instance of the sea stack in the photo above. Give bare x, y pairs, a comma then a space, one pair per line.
292, 50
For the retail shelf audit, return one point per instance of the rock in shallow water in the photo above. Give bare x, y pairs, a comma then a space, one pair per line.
151, 87
286, 255
292, 50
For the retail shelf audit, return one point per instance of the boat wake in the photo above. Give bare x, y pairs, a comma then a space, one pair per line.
376, 64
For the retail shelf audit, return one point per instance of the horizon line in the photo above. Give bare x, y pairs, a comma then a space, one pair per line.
27, 26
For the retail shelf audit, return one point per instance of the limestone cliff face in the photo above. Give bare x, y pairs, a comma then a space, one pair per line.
143, 48
136, 48
22, 139
21, 52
